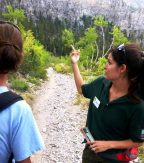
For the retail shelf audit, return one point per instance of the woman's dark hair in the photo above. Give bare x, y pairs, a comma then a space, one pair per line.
11, 47
132, 56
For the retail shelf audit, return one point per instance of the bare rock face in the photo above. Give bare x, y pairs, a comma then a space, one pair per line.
128, 14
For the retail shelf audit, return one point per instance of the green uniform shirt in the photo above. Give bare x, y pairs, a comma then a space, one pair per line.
119, 119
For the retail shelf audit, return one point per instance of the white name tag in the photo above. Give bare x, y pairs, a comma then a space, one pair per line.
142, 134
96, 102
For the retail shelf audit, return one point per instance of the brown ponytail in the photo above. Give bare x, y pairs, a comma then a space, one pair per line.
141, 79
132, 56
11, 47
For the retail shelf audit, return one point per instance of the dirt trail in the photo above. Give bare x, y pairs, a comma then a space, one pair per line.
59, 121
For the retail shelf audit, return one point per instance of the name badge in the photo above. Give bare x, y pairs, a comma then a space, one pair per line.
96, 102
142, 134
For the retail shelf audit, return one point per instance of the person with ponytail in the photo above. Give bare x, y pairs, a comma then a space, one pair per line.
116, 111
19, 134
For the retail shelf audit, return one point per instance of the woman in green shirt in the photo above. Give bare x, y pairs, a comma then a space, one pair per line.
116, 111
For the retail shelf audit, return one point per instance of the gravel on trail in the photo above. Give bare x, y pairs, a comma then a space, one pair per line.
59, 120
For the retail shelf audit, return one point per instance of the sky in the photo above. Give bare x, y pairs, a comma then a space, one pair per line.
135, 3
132, 3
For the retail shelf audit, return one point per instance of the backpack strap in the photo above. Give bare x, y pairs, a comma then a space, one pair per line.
8, 98
11, 158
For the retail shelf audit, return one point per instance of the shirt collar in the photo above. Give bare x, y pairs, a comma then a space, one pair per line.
121, 99
3, 89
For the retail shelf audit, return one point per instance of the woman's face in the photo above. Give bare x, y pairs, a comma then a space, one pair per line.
112, 70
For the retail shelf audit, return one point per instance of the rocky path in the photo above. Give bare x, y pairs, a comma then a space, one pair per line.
59, 121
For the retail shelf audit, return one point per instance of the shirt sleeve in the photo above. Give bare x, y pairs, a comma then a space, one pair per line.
137, 124
25, 136
88, 90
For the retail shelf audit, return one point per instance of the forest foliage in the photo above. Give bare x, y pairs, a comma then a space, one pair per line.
48, 41
35, 56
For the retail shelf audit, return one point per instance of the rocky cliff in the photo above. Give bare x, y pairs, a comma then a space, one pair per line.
128, 14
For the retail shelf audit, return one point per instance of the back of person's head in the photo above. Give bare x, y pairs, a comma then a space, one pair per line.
132, 56
11, 47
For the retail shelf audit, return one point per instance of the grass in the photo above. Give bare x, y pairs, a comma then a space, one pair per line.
141, 153
20, 85
80, 100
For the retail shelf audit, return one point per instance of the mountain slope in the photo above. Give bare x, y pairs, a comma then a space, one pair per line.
128, 14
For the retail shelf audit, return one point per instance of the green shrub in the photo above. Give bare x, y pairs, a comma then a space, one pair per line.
60, 64
100, 65
62, 68
28, 97
40, 73
35, 57
19, 85
34, 80
141, 152
80, 100
63, 64
53, 60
